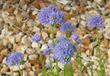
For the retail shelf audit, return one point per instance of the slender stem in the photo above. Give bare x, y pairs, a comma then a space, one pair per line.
51, 67
91, 69
43, 66
80, 64
102, 60
57, 68
19, 71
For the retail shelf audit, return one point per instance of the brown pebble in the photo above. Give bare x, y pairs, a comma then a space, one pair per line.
4, 70
81, 9
105, 43
1, 45
86, 42
83, 49
4, 52
10, 10
34, 62
82, 32
38, 68
75, 65
1, 58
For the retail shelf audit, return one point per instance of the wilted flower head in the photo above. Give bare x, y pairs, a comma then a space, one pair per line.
95, 21
36, 37
67, 26
14, 58
63, 51
51, 15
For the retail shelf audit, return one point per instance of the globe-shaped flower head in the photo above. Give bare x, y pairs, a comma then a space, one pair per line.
14, 58
64, 50
51, 15
67, 26
95, 21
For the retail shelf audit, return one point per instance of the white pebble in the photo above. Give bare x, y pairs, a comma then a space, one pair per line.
30, 51
44, 35
61, 66
35, 45
25, 73
31, 57
16, 68
44, 46
31, 73
64, 1
35, 12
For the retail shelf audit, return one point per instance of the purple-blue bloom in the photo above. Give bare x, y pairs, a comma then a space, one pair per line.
47, 66
47, 51
75, 37
95, 21
36, 37
51, 15
14, 58
67, 26
63, 51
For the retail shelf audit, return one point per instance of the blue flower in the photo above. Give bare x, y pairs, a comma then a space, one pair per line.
75, 37
47, 51
14, 58
95, 21
36, 37
67, 26
63, 51
51, 15
47, 66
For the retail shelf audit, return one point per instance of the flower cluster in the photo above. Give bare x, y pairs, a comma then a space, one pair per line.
67, 26
95, 21
63, 51
14, 58
36, 37
51, 15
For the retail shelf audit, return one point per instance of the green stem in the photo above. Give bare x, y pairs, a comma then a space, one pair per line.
91, 69
80, 64
57, 68
51, 67
43, 66
101, 61
20, 72
68, 70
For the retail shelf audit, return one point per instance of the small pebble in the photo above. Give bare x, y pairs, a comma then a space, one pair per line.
44, 46
31, 57
44, 35
35, 45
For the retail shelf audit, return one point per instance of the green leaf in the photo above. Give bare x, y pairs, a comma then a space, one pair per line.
22, 62
68, 70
